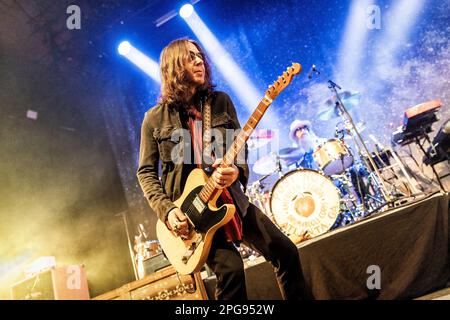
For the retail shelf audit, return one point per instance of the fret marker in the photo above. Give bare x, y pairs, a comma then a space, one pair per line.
268, 99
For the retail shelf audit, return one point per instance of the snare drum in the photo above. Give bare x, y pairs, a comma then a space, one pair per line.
333, 157
305, 200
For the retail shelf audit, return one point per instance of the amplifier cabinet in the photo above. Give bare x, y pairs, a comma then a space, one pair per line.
161, 285
58, 283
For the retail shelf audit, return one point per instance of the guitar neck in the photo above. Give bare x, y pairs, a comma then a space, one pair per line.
274, 90
208, 189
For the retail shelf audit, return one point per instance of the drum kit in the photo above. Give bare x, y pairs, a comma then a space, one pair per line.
342, 187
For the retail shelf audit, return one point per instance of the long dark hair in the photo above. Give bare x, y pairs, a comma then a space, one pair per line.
174, 80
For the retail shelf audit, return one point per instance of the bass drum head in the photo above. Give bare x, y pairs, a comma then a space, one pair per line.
305, 201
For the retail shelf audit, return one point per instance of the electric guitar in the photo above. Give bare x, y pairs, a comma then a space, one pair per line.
198, 201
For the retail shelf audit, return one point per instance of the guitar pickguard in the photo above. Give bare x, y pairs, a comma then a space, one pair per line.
204, 220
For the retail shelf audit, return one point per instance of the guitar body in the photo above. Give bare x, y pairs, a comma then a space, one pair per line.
189, 255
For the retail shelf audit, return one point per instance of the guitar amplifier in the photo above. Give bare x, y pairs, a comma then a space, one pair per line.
161, 285
57, 283
152, 264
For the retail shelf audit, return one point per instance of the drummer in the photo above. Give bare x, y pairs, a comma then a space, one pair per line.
303, 137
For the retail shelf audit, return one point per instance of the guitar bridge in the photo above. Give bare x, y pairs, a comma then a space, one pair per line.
191, 249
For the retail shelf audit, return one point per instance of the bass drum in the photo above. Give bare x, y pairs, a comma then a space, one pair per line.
304, 201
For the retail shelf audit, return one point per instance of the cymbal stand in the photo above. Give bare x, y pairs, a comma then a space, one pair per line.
279, 168
349, 203
256, 196
357, 138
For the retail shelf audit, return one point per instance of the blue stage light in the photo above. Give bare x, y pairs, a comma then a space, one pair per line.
186, 11
141, 60
124, 48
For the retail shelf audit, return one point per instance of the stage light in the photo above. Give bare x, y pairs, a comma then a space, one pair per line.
352, 49
143, 62
186, 10
39, 265
398, 24
124, 48
233, 74
14, 266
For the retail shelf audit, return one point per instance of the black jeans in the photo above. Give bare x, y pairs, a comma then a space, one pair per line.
263, 236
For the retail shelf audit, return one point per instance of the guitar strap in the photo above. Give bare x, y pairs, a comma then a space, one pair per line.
207, 156
233, 229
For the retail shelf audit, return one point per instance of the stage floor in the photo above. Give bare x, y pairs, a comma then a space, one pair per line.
401, 253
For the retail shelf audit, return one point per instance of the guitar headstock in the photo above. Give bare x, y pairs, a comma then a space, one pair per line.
283, 81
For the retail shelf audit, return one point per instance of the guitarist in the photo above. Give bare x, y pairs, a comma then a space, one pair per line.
186, 87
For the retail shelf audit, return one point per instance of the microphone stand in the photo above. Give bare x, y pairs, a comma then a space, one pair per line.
130, 246
342, 109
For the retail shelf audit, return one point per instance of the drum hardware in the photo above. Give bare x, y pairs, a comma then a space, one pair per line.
404, 182
353, 193
278, 162
359, 143
330, 110
340, 131
270, 164
292, 155
387, 159
374, 201
344, 218
337, 107
260, 198
381, 157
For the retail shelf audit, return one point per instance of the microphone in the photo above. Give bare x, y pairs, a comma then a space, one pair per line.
312, 71
331, 84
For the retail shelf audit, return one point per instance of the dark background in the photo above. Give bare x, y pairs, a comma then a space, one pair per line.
68, 183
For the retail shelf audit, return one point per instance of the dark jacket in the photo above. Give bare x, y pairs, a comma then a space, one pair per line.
157, 144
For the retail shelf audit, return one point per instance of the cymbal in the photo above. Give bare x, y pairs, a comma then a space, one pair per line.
269, 164
272, 162
329, 110
260, 138
291, 155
